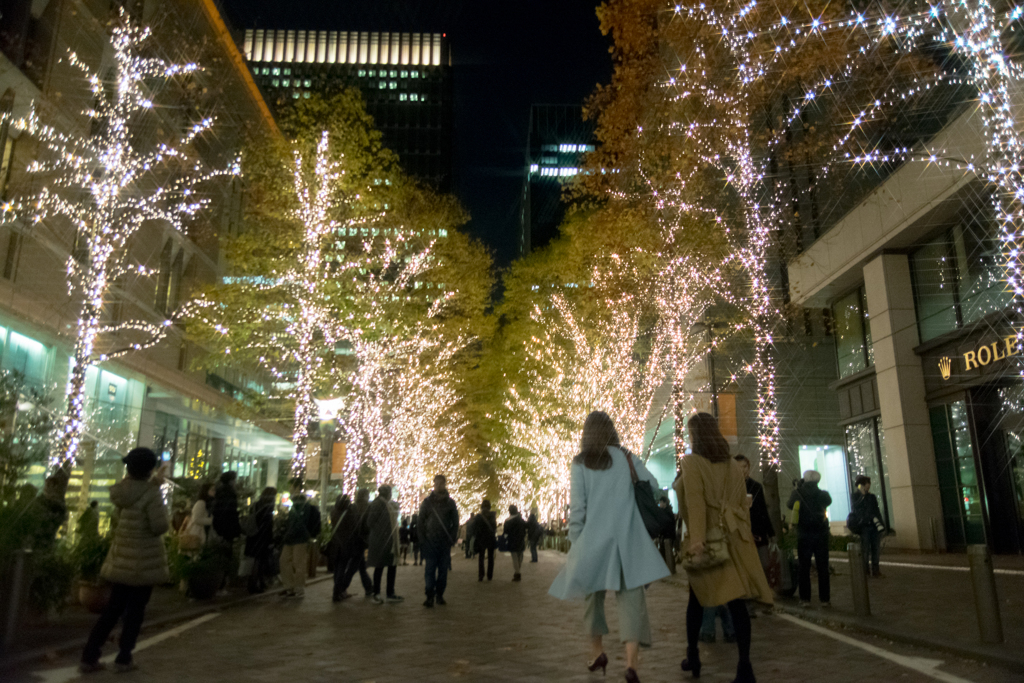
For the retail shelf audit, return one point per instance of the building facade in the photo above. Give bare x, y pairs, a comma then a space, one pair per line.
405, 78
557, 139
929, 375
153, 397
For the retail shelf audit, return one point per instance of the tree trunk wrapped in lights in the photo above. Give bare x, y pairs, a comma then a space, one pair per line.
106, 185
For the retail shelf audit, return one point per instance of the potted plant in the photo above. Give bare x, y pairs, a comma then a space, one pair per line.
203, 574
93, 593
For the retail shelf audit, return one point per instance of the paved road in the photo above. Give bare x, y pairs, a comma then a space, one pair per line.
499, 631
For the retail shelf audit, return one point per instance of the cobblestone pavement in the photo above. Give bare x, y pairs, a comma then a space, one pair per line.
497, 631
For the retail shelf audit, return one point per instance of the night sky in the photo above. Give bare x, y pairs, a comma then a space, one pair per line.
507, 55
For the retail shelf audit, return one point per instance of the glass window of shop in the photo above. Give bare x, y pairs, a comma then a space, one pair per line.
958, 278
28, 357
959, 487
853, 333
865, 455
830, 462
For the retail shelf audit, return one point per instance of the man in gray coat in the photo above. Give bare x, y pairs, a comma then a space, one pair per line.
136, 560
382, 528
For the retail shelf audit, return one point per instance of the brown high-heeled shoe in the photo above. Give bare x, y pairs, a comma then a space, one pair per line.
599, 663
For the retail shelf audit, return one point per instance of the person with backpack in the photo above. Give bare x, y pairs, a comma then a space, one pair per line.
301, 527
866, 520
438, 529
812, 535
515, 532
485, 525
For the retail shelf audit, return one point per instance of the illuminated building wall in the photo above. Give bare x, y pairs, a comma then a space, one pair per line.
558, 137
405, 79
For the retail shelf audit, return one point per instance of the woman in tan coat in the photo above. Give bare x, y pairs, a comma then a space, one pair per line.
713, 496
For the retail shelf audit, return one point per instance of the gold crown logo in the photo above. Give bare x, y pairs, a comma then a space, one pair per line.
945, 365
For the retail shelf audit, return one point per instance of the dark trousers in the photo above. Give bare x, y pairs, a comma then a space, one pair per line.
129, 601
341, 576
533, 550
871, 546
816, 545
490, 562
356, 563
436, 570
415, 553
740, 622
378, 572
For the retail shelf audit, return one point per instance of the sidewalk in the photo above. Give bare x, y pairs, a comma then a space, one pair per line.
39, 639
930, 604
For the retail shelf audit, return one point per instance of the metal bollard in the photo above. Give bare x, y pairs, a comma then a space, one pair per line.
859, 580
14, 601
985, 598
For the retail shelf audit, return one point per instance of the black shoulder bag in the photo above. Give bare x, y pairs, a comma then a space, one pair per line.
645, 502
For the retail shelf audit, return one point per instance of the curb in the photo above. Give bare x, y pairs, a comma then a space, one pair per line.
148, 625
836, 622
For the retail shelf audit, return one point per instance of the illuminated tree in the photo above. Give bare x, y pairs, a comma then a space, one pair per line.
106, 185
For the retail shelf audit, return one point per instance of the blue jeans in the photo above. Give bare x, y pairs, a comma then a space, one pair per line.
707, 627
436, 570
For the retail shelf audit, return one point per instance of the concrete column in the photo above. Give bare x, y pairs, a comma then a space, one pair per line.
273, 465
147, 422
910, 454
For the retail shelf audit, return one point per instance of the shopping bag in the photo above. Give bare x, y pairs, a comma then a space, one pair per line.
773, 566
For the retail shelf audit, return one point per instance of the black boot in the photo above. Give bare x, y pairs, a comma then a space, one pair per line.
692, 662
745, 673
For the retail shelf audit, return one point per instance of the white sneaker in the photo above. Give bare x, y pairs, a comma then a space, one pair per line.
377, 599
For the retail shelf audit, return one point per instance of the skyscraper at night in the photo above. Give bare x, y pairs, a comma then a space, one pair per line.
404, 77
557, 139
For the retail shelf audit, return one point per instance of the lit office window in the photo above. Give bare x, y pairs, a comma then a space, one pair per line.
295, 95
306, 94
276, 82
394, 74
361, 73
403, 97
414, 97
393, 84
415, 74
382, 85
534, 168
404, 74
423, 97
307, 83
286, 82
287, 72
276, 71
266, 71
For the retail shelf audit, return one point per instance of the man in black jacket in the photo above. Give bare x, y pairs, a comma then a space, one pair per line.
812, 534
438, 529
869, 519
533, 532
483, 528
760, 521
515, 531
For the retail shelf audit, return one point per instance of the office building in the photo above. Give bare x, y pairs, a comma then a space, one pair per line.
405, 78
153, 397
927, 358
557, 139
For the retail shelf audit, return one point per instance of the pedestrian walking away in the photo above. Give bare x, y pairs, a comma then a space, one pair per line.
301, 527
867, 518
438, 529
611, 549
136, 560
414, 538
534, 533
259, 548
403, 541
382, 542
515, 532
812, 536
343, 528
485, 528
719, 554
355, 548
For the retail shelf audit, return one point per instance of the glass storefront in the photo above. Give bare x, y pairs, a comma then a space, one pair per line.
959, 485
830, 462
865, 449
852, 333
958, 278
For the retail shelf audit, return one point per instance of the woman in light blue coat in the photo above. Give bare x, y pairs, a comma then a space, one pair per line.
611, 549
